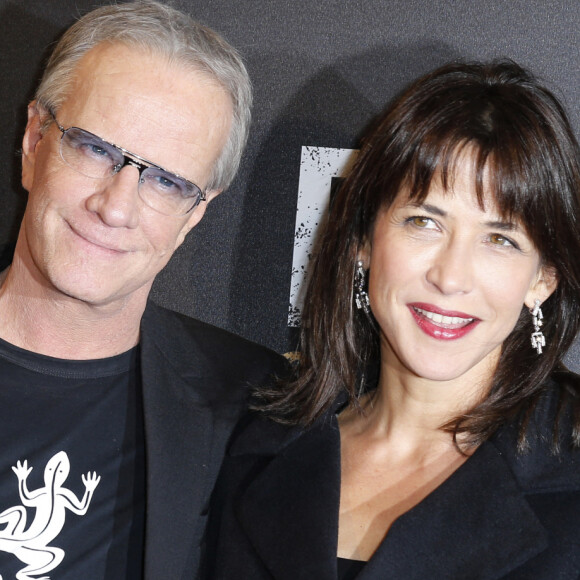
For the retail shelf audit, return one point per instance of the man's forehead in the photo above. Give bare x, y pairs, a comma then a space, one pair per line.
177, 117
110, 64
133, 86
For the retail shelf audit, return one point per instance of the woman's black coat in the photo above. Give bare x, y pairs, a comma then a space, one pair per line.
500, 515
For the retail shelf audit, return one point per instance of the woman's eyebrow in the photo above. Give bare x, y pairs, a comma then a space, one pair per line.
429, 208
506, 226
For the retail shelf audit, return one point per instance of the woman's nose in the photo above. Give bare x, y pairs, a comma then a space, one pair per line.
451, 271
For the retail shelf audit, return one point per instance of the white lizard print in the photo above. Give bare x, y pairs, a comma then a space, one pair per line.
30, 545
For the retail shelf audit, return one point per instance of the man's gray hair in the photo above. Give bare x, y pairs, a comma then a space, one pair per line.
162, 30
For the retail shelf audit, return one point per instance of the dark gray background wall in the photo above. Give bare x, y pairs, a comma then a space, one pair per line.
321, 70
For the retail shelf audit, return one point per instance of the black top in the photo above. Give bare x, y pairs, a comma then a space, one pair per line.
349, 569
72, 469
277, 506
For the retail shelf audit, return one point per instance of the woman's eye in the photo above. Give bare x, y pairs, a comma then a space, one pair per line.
421, 222
499, 240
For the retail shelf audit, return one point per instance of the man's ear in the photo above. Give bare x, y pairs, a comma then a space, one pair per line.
212, 194
32, 136
199, 211
196, 215
543, 287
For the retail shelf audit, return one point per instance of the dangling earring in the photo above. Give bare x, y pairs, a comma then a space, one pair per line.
538, 338
360, 295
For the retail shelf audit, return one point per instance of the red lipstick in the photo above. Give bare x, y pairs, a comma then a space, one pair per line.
442, 324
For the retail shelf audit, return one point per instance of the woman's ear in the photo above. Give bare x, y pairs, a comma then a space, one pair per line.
545, 284
364, 254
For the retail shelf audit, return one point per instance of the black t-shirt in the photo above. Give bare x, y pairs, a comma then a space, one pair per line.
349, 569
72, 468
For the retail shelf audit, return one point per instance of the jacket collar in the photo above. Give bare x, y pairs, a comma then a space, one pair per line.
477, 524
478, 519
290, 512
178, 428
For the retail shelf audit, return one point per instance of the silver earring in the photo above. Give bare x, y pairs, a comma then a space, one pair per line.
360, 295
538, 338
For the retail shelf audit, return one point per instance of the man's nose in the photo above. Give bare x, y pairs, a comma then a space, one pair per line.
116, 200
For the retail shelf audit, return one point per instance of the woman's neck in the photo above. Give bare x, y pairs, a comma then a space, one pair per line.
411, 410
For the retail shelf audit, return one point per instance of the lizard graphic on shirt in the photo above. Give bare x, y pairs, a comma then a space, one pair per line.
30, 545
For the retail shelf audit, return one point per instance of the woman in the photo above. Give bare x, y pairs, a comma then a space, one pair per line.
431, 431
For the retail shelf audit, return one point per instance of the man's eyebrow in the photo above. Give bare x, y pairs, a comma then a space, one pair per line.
503, 225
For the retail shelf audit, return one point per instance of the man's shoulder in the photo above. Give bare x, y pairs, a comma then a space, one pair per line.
198, 343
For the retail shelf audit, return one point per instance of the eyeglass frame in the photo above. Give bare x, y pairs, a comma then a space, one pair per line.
134, 160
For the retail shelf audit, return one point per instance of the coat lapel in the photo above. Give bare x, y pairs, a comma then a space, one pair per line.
295, 500
476, 525
179, 434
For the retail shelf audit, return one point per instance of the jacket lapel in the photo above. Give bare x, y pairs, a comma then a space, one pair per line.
477, 525
179, 434
290, 511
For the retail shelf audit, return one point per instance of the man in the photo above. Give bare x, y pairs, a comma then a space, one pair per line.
114, 413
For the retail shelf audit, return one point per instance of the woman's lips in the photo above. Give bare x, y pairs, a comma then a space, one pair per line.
442, 324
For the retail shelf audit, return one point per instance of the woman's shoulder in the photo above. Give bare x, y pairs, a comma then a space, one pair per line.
550, 456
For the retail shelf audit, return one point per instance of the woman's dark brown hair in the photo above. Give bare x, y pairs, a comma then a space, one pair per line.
522, 140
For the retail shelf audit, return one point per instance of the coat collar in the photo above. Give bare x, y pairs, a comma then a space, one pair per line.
178, 427
477, 520
295, 506
477, 524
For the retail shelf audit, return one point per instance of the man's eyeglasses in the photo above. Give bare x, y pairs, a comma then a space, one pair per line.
94, 157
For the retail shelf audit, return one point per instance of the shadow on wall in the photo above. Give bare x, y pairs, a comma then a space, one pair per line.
24, 42
331, 109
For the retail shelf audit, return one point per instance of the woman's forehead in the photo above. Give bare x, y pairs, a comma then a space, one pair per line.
466, 172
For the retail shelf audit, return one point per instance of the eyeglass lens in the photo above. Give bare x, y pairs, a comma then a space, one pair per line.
93, 157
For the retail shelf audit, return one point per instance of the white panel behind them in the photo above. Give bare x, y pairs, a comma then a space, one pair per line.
318, 165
